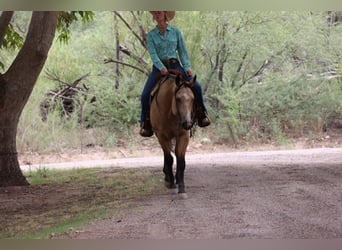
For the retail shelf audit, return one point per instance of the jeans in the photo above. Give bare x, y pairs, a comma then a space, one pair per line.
152, 81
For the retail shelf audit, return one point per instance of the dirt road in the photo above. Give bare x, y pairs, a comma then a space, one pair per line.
294, 194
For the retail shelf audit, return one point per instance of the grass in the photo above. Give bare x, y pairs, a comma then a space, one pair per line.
57, 202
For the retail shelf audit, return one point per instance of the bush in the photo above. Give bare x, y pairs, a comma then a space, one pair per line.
299, 106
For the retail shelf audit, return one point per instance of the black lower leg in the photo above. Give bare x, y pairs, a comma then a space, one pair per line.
180, 174
169, 178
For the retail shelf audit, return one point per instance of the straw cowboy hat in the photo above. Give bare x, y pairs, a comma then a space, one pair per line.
169, 14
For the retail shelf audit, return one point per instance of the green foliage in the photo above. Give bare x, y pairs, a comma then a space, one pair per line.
226, 115
12, 39
276, 108
116, 108
67, 18
15, 37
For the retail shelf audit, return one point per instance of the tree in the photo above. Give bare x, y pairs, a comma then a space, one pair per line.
16, 84
132, 52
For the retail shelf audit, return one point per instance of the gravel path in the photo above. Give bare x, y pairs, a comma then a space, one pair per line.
303, 156
288, 194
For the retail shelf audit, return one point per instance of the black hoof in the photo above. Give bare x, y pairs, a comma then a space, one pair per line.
181, 190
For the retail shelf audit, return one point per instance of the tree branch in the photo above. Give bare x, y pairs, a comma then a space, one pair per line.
142, 30
130, 28
52, 76
126, 51
110, 60
238, 70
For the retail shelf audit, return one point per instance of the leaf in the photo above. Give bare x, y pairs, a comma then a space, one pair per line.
12, 39
67, 18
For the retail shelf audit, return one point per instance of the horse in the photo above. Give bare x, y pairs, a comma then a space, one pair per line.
172, 116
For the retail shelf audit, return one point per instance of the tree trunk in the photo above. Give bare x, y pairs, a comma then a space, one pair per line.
16, 86
10, 173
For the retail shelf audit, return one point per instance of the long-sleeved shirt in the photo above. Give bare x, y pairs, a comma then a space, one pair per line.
170, 45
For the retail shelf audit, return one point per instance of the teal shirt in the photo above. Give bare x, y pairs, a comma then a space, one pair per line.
171, 45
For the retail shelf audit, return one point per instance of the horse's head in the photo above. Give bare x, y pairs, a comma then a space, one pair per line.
184, 102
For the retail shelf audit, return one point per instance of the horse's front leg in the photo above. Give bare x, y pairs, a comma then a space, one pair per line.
181, 147
168, 162
180, 174
169, 178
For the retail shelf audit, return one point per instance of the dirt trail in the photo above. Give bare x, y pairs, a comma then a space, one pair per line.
267, 194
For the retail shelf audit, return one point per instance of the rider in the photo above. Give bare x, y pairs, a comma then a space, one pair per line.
165, 45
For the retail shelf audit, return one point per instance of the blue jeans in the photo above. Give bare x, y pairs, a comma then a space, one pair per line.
152, 81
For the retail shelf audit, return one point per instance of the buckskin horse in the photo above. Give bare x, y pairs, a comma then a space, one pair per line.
172, 116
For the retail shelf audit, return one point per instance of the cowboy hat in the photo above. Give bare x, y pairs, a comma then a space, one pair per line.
169, 14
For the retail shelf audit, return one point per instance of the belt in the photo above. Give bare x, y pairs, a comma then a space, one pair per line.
169, 62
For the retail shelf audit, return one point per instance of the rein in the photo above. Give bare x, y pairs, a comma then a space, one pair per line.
160, 82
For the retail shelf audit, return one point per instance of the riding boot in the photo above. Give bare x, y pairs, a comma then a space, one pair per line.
203, 119
146, 128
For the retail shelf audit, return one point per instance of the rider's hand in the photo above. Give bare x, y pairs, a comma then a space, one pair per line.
189, 73
164, 72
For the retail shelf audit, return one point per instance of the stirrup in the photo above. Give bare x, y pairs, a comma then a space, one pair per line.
204, 120
146, 129
145, 132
